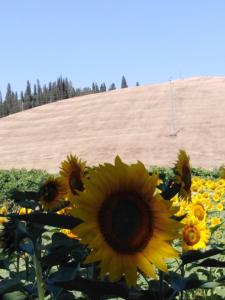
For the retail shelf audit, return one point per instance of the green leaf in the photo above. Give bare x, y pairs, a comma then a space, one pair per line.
4, 264
194, 255
66, 272
14, 296
59, 240
211, 285
94, 288
10, 285
26, 245
64, 295
59, 250
24, 197
58, 257
54, 220
180, 283
211, 262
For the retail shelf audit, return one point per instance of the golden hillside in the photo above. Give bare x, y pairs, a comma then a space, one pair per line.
148, 123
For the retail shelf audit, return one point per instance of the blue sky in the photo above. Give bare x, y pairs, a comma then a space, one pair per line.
85, 40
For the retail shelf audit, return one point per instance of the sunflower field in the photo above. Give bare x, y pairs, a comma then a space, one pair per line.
114, 231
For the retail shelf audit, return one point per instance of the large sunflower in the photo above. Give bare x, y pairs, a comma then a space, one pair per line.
51, 193
126, 222
72, 172
183, 175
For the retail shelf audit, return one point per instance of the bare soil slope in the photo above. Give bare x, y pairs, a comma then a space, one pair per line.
148, 123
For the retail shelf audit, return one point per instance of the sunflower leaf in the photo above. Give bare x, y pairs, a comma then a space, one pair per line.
94, 288
19, 196
194, 255
180, 283
4, 264
10, 285
211, 262
54, 220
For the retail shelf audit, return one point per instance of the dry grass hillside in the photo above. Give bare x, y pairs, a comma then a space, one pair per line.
148, 123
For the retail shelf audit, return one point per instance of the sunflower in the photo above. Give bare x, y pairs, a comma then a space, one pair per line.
72, 172
51, 193
183, 175
215, 221
195, 234
23, 211
219, 207
198, 208
126, 222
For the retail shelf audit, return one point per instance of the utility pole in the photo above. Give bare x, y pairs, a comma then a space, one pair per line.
172, 111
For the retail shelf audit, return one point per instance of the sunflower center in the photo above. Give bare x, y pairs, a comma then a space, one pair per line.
75, 183
199, 211
49, 192
126, 222
191, 235
186, 177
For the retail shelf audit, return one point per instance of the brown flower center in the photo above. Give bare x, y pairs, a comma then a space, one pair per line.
49, 192
186, 178
191, 235
75, 183
126, 222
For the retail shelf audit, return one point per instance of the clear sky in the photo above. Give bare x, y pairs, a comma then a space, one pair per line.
100, 40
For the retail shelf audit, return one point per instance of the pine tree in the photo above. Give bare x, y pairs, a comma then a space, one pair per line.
28, 99
1, 106
10, 104
8, 100
35, 95
39, 93
103, 87
22, 101
123, 83
112, 87
95, 88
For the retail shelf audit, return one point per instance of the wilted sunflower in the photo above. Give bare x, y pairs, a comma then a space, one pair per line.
195, 234
183, 175
51, 193
72, 173
12, 232
126, 222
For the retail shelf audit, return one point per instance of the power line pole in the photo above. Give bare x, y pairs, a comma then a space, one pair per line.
172, 111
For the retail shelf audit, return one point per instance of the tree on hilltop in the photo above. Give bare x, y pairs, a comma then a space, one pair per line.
112, 87
103, 87
123, 83
28, 99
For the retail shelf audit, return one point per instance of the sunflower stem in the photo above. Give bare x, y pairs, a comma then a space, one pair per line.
26, 258
182, 274
17, 263
161, 279
38, 271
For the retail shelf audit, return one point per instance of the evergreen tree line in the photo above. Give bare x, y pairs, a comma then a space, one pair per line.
60, 89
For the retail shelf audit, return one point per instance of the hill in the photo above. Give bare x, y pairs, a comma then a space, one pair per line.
148, 123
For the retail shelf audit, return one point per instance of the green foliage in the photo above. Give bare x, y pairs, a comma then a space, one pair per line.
22, 180
167, 173
42, 262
